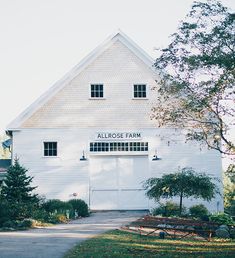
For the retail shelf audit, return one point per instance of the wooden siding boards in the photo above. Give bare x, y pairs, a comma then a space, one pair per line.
118, 69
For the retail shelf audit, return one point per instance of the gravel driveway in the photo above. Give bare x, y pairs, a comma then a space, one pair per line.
54, 242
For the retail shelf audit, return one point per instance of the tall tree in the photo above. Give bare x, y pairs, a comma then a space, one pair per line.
183, 183
197, 77
229, 188
17, 193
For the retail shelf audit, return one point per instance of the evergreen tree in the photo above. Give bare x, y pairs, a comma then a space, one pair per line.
17, 192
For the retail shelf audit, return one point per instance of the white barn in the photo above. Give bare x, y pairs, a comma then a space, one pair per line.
90, 136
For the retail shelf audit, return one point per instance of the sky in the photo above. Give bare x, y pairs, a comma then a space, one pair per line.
41, 40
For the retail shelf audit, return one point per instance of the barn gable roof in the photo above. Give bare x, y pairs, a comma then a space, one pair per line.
119, 35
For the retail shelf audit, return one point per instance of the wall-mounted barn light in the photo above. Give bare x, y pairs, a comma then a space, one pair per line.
83, 156
155, 157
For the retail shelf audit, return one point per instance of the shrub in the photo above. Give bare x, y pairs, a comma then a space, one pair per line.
221, 218
10, 224
41, 215
57, 218
168, 209
198, 211
26, 223
57, 206
80, 208
231, 208
222, 233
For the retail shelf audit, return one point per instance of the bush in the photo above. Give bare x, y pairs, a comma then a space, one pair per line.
80, 208
198, 211
168, 209
10, 224
57, 206
57, 218
26, 223
221, 218
231, 208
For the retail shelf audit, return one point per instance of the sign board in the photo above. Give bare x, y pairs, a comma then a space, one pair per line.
118, 136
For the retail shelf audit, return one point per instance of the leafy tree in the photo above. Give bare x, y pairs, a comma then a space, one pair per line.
197, 77
17, 192
183, 183
229, 189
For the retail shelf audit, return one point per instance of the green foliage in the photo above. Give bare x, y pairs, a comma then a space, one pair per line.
198, 211
56, 206
168, 209
221, 218
17, 194
80, 208
222, 233
229, 189
4, 215
197, 72
183, 183
26, 223
57, 218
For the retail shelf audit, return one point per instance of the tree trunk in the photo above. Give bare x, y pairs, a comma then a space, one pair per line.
181, 197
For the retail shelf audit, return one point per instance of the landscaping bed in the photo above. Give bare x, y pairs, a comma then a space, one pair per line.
174, 227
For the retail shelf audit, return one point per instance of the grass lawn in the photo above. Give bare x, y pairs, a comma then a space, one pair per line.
122, 244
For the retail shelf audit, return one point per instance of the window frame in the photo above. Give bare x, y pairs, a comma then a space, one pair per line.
140, 91
112, 147
96, 91
50, 150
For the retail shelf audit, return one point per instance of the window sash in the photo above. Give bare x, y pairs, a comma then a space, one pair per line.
97, 91
50, 149
140, 91
118, 146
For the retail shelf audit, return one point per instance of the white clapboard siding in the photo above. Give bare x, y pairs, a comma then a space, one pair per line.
67, 115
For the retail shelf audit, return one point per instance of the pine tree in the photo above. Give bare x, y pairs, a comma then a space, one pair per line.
17, 192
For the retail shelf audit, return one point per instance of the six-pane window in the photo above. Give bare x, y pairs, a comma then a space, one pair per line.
97, 91
50, 148
139, 90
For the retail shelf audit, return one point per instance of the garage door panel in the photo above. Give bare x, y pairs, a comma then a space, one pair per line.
132, 171
103, 172
104, 200
133, 199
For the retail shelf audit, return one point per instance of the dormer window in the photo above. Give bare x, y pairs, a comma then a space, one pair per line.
97, 90
140, 91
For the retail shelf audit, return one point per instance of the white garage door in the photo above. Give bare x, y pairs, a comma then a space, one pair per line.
116, 182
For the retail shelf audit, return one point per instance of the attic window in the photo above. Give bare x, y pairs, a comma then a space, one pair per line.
50, 149
97, 90
139, 90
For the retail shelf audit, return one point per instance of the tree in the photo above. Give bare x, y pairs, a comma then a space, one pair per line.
17, 193
197, 77
229, 189
183, 183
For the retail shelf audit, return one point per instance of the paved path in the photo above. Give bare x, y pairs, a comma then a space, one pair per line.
54, 242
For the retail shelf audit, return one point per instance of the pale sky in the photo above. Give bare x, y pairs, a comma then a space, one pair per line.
41, 40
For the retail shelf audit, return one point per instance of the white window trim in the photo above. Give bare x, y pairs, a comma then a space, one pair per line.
147, 91
50, 157
96, 98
